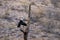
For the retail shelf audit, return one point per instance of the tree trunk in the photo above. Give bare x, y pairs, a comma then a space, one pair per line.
27, 29
25, 35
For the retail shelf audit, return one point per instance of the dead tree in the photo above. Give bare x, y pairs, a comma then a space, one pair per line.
28, 24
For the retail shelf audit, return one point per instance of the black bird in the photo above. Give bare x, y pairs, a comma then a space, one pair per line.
21, 23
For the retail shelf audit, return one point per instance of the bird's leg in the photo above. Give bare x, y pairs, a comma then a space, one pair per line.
21, 30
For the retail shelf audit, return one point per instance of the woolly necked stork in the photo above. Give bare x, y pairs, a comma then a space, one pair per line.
21, 22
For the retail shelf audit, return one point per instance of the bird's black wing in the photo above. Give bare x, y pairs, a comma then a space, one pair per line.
19, 24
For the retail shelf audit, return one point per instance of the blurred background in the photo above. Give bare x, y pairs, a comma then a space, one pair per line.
44, 22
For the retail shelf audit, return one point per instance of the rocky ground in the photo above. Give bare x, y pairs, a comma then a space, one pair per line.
45, 19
